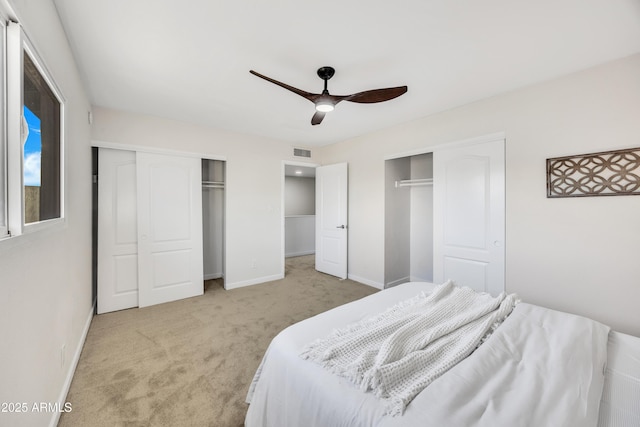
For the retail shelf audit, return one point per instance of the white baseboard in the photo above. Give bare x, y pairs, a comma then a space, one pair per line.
420, 279
292, 254
399, 282
213, 276
72, 369
365, 281
255, 281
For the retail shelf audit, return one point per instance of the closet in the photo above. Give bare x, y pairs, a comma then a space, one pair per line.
409, 219
213, 178
150, 228
445, 215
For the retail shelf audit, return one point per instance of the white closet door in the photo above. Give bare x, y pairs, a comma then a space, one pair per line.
117, 231
170, 260
469, 215
331, 219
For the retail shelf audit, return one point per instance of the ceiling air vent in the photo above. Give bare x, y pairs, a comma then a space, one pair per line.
301, 152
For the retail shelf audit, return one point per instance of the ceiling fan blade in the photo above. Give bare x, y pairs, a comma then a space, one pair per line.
308, 95
317, 118
376, 95
326, 102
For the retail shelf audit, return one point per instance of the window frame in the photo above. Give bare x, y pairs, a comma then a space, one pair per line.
18, 44
4, 211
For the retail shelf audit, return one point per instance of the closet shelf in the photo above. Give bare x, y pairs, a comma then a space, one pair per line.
414, 182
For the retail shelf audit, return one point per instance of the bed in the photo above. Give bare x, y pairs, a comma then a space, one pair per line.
540, 367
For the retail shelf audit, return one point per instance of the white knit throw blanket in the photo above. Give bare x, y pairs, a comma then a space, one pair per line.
399, 352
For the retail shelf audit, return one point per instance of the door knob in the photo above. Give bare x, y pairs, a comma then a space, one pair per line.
341, 226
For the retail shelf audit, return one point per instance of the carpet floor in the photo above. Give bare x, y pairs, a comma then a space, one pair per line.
190, 362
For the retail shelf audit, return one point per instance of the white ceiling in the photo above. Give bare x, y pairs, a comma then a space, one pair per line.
190, 60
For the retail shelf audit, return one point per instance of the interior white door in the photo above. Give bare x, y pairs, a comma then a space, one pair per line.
170, 261
469, 216
117, 231
331, 219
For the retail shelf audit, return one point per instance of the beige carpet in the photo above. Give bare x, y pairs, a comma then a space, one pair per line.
190, 362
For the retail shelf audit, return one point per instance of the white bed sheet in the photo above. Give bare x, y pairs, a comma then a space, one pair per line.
289, 391
620, 403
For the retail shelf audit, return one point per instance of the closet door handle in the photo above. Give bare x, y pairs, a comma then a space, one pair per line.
342, 226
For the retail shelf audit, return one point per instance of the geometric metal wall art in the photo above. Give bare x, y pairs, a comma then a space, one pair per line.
610, 173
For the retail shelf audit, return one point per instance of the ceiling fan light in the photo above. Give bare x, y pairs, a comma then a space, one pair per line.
324, 106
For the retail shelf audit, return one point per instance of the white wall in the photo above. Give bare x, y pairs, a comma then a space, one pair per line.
253, 188
300, 235
300, 220
576, 254
299, 196
45, 277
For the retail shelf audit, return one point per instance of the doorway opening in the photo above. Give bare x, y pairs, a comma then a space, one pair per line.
299, 210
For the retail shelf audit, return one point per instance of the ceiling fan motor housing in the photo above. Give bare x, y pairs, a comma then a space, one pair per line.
325, 73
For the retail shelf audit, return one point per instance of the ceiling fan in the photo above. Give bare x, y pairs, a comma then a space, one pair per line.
326, 102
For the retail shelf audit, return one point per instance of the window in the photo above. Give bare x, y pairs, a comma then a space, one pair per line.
41, 149
31, 146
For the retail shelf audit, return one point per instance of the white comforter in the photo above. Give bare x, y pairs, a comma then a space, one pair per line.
539, 368
397, 353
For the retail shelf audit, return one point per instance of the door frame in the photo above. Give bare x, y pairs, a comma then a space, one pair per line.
94, 228
446, 145
282, 205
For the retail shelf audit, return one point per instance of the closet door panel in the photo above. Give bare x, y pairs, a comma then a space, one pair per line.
117, 231
469, 216
169, 228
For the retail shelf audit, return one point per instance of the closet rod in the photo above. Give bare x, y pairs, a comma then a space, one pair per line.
414, 182
212, 184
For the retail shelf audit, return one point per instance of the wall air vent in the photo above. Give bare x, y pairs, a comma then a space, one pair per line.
301, 152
